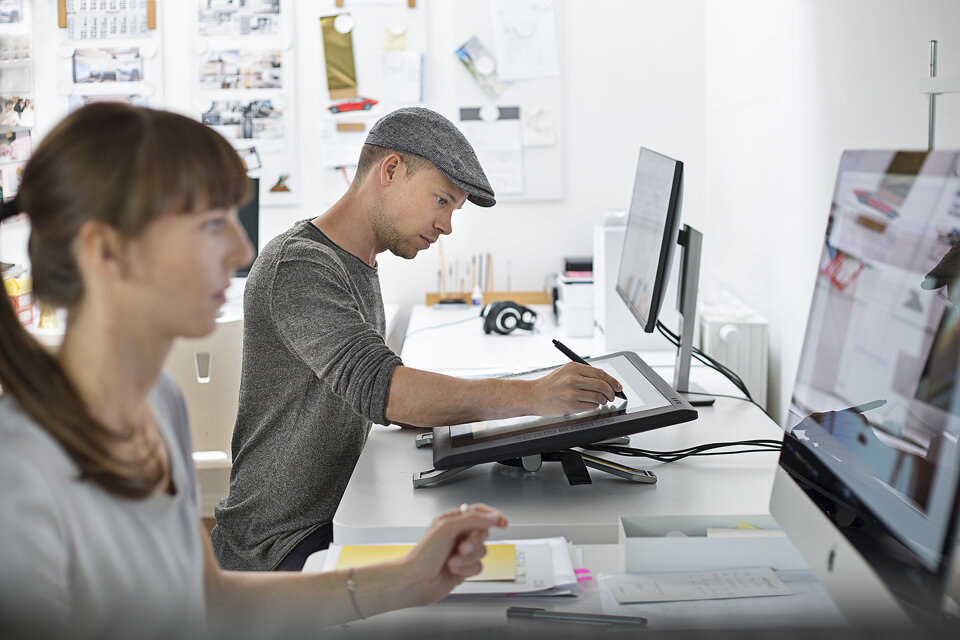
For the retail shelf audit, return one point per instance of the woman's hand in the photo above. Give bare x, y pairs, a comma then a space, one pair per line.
451, 550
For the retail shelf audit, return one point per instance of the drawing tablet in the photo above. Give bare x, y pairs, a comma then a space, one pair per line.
651, 404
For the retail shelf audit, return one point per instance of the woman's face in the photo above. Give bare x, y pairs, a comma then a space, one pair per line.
180, 268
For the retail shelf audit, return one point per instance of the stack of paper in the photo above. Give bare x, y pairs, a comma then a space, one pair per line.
534, 567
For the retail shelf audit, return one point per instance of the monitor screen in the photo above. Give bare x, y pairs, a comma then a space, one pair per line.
249, 213
874, 419
651, 403
652, 229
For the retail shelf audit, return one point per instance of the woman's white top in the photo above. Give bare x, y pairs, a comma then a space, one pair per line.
77, 557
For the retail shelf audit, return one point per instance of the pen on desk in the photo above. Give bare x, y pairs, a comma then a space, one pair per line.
570, 354
573, 616
863, 408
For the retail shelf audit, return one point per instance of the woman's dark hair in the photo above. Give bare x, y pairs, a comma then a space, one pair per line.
125, 167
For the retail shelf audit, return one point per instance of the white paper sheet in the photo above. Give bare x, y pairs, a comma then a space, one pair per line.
402, 77
340, 148
525, 39
702, 585
544, 568
499, 148
810, 606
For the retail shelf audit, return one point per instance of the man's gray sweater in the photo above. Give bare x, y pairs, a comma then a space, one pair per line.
316, 373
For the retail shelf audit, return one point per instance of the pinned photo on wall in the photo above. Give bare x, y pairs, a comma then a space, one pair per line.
16, 111
238, 19
482, 66
107, 65
11, 11
358, 103
496, 136
74, 102
282, 184
251, 158
243, 120
337, 36
10, 176
15, 146
241, 69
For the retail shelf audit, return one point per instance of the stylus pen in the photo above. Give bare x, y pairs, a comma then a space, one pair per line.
573, 616
570, 354
863, 408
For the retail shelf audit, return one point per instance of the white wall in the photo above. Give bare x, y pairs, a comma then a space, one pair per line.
789, 86
758, 98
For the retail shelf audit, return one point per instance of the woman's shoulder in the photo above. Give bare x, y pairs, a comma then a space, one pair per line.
24, 439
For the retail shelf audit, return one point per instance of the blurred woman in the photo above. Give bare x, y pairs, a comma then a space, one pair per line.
134, 231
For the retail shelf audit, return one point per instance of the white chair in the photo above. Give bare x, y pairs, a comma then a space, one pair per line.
208, 372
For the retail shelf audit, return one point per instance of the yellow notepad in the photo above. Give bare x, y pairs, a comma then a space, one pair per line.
500, 563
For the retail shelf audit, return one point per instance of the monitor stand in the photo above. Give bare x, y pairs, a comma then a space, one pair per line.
574, 463
691, 243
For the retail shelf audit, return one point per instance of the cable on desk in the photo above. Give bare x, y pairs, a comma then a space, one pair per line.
445, 324
720, 395
709, 449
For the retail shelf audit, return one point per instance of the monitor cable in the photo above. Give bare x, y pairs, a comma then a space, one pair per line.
709, 449
726, 371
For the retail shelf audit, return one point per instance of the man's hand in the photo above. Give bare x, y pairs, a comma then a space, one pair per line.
571, 389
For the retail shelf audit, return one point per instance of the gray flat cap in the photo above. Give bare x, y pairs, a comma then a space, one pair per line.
429, 135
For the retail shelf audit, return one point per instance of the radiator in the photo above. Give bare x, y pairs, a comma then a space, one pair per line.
737, 336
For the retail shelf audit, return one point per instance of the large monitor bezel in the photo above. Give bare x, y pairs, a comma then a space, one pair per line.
816, 506
592, 429
668, 243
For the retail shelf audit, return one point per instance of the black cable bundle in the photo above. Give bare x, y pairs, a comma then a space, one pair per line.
756, 446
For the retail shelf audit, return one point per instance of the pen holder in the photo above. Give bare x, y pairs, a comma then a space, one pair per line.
520, 297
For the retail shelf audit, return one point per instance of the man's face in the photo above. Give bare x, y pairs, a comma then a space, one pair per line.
414, 211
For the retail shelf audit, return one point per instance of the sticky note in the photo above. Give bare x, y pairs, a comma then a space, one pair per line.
499, 564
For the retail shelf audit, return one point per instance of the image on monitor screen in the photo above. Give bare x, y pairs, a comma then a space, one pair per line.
652, 230
874, 420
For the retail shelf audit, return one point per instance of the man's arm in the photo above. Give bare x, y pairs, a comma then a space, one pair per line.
424, 399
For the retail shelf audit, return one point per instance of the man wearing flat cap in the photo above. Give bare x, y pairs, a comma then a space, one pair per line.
316, 370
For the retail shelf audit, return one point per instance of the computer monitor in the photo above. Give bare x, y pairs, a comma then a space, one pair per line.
868, 480
249, 213
652, 228
653, 232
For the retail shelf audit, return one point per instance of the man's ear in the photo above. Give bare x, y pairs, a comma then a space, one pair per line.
390, 169
101, 249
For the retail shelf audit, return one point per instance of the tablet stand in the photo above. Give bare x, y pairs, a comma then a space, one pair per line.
574, 463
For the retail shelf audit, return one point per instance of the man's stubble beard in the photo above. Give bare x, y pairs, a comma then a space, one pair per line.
387, 236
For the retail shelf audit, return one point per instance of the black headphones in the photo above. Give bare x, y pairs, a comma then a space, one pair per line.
504, 317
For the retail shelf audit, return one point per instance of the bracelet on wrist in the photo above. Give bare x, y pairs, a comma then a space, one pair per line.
352, 590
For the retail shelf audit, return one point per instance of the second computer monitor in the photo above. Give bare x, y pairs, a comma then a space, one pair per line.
652, 229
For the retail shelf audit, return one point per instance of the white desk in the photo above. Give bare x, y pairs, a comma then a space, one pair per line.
381, 505
452, 341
